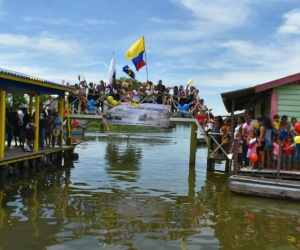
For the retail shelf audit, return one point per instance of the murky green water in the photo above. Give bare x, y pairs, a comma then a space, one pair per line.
138, 191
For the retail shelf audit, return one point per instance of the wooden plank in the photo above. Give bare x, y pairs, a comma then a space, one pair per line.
17, 154
289, 102
288, 87
265, 187
288, 108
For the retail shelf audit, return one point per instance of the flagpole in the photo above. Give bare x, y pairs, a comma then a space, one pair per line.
145, 58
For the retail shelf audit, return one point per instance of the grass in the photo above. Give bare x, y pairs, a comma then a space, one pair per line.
99, 126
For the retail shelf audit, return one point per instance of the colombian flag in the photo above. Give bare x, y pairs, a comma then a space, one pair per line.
136, 53
253, 143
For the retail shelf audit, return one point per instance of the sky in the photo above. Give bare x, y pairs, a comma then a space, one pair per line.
224, 45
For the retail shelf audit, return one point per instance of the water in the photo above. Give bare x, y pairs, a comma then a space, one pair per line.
137, 191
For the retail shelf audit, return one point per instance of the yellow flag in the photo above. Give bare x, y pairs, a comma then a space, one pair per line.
136, 49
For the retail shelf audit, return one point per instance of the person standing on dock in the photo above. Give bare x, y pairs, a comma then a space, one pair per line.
260, 133
296, 151
9, 122
57, 126
247, 127
42, 126
268, 139
50, 104
25, 120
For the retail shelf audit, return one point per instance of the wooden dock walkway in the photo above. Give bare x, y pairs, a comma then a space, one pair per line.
269, 173
18, 155
285, 188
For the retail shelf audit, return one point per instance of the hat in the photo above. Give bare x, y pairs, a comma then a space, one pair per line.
125, 84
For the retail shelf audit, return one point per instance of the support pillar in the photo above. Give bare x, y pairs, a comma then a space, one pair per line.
61, 105
2, 119
37, 123
30, 103
274, 101
193, 143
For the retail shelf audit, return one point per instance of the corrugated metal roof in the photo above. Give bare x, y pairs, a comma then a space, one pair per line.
24, 76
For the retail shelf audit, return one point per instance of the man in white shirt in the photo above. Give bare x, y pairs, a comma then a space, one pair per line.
203, 106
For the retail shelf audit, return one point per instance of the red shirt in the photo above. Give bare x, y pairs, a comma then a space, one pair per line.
288, 149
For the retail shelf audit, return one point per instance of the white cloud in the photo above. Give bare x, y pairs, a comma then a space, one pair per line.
291, 24
162, 21
67, 22
225, 12
44, 43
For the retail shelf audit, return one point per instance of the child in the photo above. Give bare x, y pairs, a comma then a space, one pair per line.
287, 154
251, 148
275, 126
30, 136
240, 148
225, 133
275, 152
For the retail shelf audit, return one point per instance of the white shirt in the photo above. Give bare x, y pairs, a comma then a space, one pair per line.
136, 97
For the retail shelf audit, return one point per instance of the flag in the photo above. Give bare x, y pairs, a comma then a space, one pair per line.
112, 70
129, 72
253, 143
131, 93
127, 99
136, 53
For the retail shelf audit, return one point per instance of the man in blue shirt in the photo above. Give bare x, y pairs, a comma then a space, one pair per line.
57, 130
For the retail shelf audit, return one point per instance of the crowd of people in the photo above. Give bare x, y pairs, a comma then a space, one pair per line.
145, 92
259, 137
20, 127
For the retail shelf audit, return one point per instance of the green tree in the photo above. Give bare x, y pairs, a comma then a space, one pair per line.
135, 82
15, 101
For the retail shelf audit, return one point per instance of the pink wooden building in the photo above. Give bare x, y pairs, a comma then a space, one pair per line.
281, 96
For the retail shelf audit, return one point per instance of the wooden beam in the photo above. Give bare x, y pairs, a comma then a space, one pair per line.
37, 123
277, 83
2, 119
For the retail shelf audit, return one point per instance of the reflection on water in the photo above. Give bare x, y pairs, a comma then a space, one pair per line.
138, 191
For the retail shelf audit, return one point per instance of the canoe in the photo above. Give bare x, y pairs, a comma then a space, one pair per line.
76, 131
273, 188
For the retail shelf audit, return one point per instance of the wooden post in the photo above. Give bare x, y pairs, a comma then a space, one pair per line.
37, 123
235, 155
30, 102
2, 119
210, 164
279, 160
232, 122
193, 143
61, 105
68, 126
192, 185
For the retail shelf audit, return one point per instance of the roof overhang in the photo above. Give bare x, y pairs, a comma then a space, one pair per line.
17, 83
244, 98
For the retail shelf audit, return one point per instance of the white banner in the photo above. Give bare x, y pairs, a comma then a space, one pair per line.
147, 114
